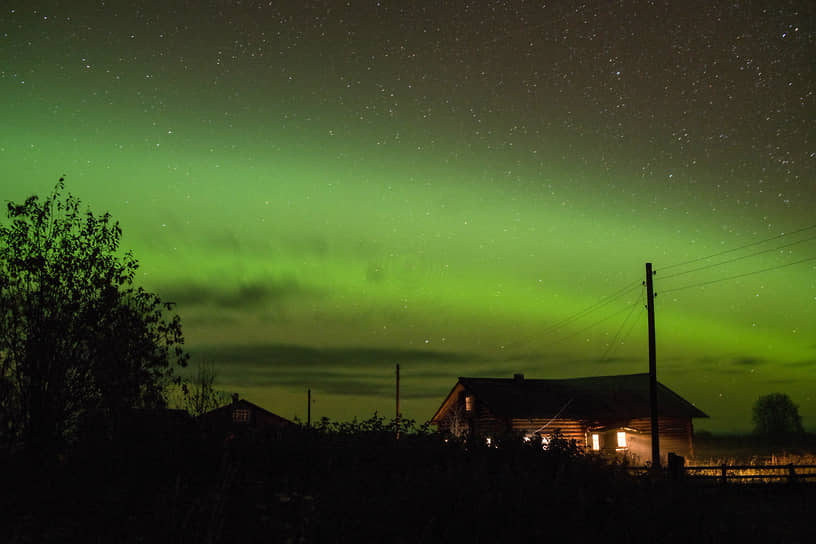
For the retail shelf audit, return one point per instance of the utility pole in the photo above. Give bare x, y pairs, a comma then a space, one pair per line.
652, 367
309, 408
398, 410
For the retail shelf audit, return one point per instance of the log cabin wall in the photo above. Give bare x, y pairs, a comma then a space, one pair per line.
479, 420
570, 429
675, 434
485, 422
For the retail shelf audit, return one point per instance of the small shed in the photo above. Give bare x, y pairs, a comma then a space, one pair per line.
608, 414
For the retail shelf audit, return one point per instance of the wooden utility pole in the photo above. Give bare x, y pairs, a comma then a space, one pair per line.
652, 368
309, 408
398, 411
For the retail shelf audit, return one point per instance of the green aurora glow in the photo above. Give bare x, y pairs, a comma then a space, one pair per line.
327, 191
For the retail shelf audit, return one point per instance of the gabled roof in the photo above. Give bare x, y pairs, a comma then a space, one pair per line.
607, 397
245, 404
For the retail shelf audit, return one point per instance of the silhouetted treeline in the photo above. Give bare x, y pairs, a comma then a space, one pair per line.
169, 481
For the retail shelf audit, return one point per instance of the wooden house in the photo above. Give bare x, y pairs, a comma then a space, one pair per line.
241, 415
609, 414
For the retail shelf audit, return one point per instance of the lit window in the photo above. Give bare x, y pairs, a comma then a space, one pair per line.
240, 415
468, 403
596, 442
489, 441
621, 439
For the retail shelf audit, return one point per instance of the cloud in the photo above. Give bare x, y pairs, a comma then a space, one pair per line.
253, 295
348, 371
748, 361
807, 363
292, 356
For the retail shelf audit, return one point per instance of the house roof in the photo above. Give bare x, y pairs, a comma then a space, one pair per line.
614, 397
245, 404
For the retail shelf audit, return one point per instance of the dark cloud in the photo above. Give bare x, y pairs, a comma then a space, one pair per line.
345, 371
807, 363
258, 294
616, 360
748, 361
782, 381
294, 356
726, 364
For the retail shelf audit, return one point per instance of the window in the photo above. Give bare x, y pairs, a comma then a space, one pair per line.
240, 415
596, 442
621, 439
468, 403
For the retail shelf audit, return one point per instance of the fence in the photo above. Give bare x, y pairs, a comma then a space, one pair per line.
753, 473
725, 473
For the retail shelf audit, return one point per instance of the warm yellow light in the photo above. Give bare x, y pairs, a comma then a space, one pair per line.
621, 439
468, 403
596, 442
489, 440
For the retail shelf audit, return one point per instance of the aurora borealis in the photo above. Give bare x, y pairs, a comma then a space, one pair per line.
327, 189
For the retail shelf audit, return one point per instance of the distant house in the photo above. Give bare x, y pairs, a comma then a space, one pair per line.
242, 415
608, 414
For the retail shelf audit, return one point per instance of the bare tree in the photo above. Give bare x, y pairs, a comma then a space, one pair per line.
198, 394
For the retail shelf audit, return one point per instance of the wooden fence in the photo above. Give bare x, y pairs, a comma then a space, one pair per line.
725, 473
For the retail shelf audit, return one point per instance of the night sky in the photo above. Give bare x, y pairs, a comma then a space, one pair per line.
327, 189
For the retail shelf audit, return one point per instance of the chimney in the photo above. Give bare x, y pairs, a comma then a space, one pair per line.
518, 378
235, 398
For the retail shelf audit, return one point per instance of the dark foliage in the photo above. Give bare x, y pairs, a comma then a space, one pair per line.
79, 344
355, 482
776, 417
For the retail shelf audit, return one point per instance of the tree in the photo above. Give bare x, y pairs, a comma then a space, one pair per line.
78, 341
199, 395
776, 416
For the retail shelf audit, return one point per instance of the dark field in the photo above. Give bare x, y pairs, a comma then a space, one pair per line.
749, 448
363, 486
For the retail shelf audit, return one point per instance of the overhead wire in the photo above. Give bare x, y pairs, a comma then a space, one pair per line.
589, 309
638, 302
590, 326
631, 327
727, 251
713, 265
704, 283
584, 312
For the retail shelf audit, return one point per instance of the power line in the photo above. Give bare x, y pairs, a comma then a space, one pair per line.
632, 326
560, 324
625, 336
739, 248
591, 326
589, 309
739, 258
638, 302
739, 275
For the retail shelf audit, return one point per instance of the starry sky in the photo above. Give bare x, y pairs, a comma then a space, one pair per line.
327, 189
